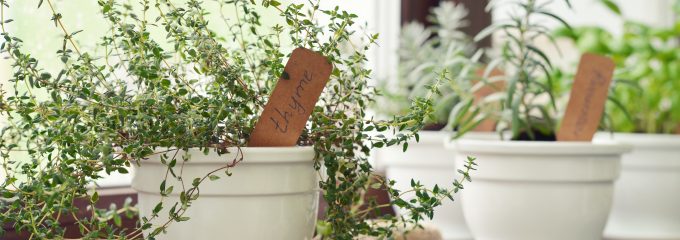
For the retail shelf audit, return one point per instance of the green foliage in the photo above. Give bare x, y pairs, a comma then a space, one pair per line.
527, 108
425, 52
645, 95
188, 87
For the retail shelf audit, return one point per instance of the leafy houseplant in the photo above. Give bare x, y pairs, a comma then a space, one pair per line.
531, 187
647, 57
423, 53
528, 75
166, 89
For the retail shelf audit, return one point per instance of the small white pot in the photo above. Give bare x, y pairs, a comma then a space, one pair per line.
272, 194
539, 190
647, 196
429, 162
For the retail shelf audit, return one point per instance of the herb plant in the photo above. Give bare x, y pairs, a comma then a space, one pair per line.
424, 53
164, 82
648, 59
527, 108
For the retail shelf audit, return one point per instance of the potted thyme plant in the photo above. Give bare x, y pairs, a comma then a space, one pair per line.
647, 88
532, 187
177, 101
424, 53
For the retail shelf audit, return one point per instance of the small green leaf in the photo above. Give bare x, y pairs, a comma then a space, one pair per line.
95, 197
162, 187
117, 220
45, 76
158, 208
611, 5
182, 91
7, 194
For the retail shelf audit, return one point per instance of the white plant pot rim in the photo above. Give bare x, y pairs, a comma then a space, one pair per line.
429, 141
427, 137
529, 161
255, 155
647, 140
646, 144
432, 137
539, 147
252, 157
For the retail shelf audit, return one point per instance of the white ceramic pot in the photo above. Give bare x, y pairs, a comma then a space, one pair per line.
272, 194
647, 196
539, 190
429, 162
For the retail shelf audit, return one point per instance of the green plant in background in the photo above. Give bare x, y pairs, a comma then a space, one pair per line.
423, 53
648, 75
527, 108
166, 82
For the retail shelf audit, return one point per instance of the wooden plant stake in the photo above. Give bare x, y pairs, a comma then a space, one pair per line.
488, 125
587, 99
293, 100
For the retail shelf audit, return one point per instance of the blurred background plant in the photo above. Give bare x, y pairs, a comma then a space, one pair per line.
426, 52
644, 96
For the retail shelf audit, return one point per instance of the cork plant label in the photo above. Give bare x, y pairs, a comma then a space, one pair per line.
587, 99
292, 101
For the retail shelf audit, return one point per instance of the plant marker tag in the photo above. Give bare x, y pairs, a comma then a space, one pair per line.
587, 99
293, 100
488, 125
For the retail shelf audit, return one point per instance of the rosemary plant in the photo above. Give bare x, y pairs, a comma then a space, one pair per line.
164, 82
527, 108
